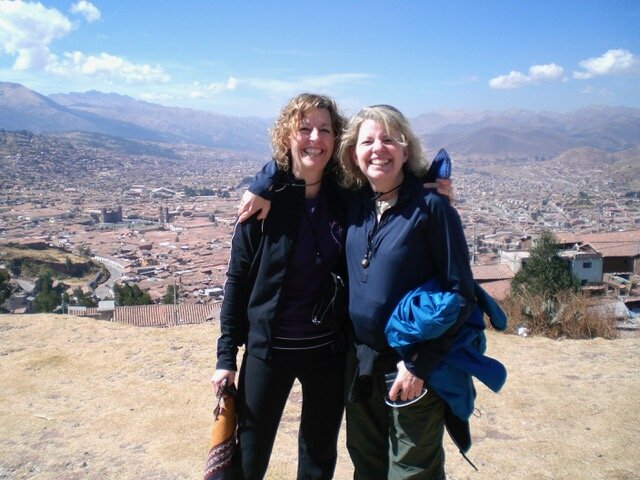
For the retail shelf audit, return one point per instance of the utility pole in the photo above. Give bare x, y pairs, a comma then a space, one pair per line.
175, 303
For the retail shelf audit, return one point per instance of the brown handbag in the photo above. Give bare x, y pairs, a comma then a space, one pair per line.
223, 435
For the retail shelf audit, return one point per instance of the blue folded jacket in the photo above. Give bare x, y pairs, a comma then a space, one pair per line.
425, 313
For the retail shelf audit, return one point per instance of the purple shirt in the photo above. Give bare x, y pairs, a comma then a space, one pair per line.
319, 233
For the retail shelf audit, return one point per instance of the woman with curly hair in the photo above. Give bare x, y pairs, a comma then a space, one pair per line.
275, 304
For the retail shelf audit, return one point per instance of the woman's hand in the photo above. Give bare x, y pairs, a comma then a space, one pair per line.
407, 385
219, 376
444, 186
250, 204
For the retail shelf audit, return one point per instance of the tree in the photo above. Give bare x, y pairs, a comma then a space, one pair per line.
46, 299
83, 299
130, 295
5, 288
544, 273
15, 267
169, 297
68, 265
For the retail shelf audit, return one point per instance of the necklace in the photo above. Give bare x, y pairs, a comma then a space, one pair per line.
312, 184
381, 207
292, 184
367, 256
377, 195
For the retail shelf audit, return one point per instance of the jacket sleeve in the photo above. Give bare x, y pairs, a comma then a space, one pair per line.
446, 241
263, 182
234, 323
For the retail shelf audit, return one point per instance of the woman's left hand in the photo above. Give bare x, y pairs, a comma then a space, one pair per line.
250, 204
407, 385
444, 186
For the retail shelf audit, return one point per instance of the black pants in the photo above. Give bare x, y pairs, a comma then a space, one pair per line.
263, 389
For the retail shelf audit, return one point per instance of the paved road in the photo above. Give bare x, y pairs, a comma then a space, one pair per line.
26, 285
104, 291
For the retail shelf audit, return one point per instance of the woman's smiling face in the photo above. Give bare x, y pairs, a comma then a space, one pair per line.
312, 143
379, 155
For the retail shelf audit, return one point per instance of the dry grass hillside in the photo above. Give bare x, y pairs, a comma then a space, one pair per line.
86, 399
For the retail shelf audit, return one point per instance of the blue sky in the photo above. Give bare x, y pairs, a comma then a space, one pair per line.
248, 57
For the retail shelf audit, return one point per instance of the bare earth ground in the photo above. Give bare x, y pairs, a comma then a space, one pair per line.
81, 398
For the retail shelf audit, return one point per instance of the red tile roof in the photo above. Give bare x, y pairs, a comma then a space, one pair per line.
499, 289
496, 271
609, 244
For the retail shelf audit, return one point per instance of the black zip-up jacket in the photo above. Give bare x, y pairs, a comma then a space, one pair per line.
260, 253
443, 251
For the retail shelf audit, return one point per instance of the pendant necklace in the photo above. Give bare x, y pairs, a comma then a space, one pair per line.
377, 195
381, 206
367, 256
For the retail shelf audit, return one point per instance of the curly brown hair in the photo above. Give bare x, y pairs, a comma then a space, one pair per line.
289, 121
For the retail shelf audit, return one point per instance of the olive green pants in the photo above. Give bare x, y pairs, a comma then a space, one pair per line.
396, 443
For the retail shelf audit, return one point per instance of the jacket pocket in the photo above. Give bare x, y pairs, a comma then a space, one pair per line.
331, 308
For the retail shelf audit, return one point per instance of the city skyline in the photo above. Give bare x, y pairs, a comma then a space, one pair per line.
248, 58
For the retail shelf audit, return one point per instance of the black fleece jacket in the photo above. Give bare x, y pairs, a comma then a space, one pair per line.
260, 253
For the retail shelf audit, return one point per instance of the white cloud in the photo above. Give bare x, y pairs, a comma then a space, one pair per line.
155, 96
232, 83
275, 88
307, 83
333, 80
273, 85
87, 9
27, 31
203, 91
601, 92
107, 66
611, 63
536, 74
512, 80
541, 73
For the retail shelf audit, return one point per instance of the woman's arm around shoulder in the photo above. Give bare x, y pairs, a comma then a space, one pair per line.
257, 198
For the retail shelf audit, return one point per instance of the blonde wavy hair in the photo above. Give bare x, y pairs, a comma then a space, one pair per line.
395, 124
289, 121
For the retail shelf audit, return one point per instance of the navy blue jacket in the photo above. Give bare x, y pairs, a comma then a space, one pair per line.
418, 239
423, 239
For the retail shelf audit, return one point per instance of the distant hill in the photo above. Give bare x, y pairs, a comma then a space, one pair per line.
521, 133
180, 125
24, 109
622, 168
122, 116
514, 134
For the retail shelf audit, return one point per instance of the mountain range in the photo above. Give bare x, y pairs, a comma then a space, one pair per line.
123, 116
514, 134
